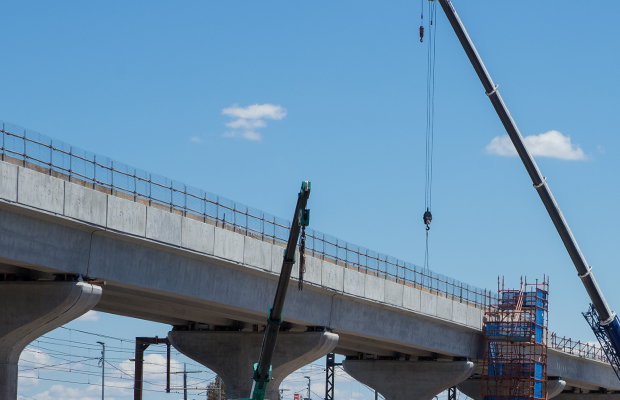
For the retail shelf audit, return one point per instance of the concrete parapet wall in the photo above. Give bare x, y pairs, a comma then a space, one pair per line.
85, 204
197, 236
40, 191
126, 216
164, 226
119, 215
8, 181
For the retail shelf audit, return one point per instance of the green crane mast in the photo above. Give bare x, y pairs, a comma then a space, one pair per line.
262, 370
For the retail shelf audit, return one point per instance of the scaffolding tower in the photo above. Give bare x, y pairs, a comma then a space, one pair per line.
515, 343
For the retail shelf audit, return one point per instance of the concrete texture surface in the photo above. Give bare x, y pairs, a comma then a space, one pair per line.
394, 293
85, 204
374, 288
257, 253
228, 245
428, 303
197, 236
163, 226
412, 299
332, 277
232, 355
126, 216
314, 271
40, 191
31, 309
354, 283
581, 372
473, 388
409, 380
8, 181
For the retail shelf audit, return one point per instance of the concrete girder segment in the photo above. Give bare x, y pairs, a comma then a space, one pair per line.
232, 355
29, 310
409, 380
473, 388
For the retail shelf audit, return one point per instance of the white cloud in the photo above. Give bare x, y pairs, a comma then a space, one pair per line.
154, 368
251, 135
91, 316
249, 119
247, 124
32, 358
28, 379
550, 144
195, 139
256, 111
90, 392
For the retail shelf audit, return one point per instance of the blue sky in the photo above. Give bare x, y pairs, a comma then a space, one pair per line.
148, 83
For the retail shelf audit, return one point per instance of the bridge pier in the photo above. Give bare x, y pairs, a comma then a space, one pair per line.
232, 355
31, 309
473, 388
409, 380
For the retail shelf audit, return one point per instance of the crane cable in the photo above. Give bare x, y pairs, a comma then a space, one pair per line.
430, 116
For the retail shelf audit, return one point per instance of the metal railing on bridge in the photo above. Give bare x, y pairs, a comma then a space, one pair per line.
54, 157
588, 350
51, 156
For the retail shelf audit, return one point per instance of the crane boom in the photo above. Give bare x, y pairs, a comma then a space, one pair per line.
262, 370
607, 318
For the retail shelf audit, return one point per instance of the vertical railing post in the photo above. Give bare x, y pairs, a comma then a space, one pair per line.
135, 186
70, 163
185, 206
95, 172
205, 203
112, 178
25, 150
234, 218
150, 190
51, 155
262, 226
171, 197
3, 142
217, 210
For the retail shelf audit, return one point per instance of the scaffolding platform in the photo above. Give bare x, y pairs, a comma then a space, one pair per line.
515, 348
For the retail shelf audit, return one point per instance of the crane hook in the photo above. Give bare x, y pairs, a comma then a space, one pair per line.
428, 217
421, 33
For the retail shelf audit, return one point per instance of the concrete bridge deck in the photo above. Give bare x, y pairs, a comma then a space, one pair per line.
173, 269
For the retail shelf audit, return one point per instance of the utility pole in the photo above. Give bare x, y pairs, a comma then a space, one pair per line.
330, 366
184, 381
452, 393
142, 343
309, 381
102, 361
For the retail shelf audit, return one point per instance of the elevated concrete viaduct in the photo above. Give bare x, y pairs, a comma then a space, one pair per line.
170, 268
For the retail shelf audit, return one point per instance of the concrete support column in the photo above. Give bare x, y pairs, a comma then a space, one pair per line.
409, 380
232, 355
473, 388
31, 309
